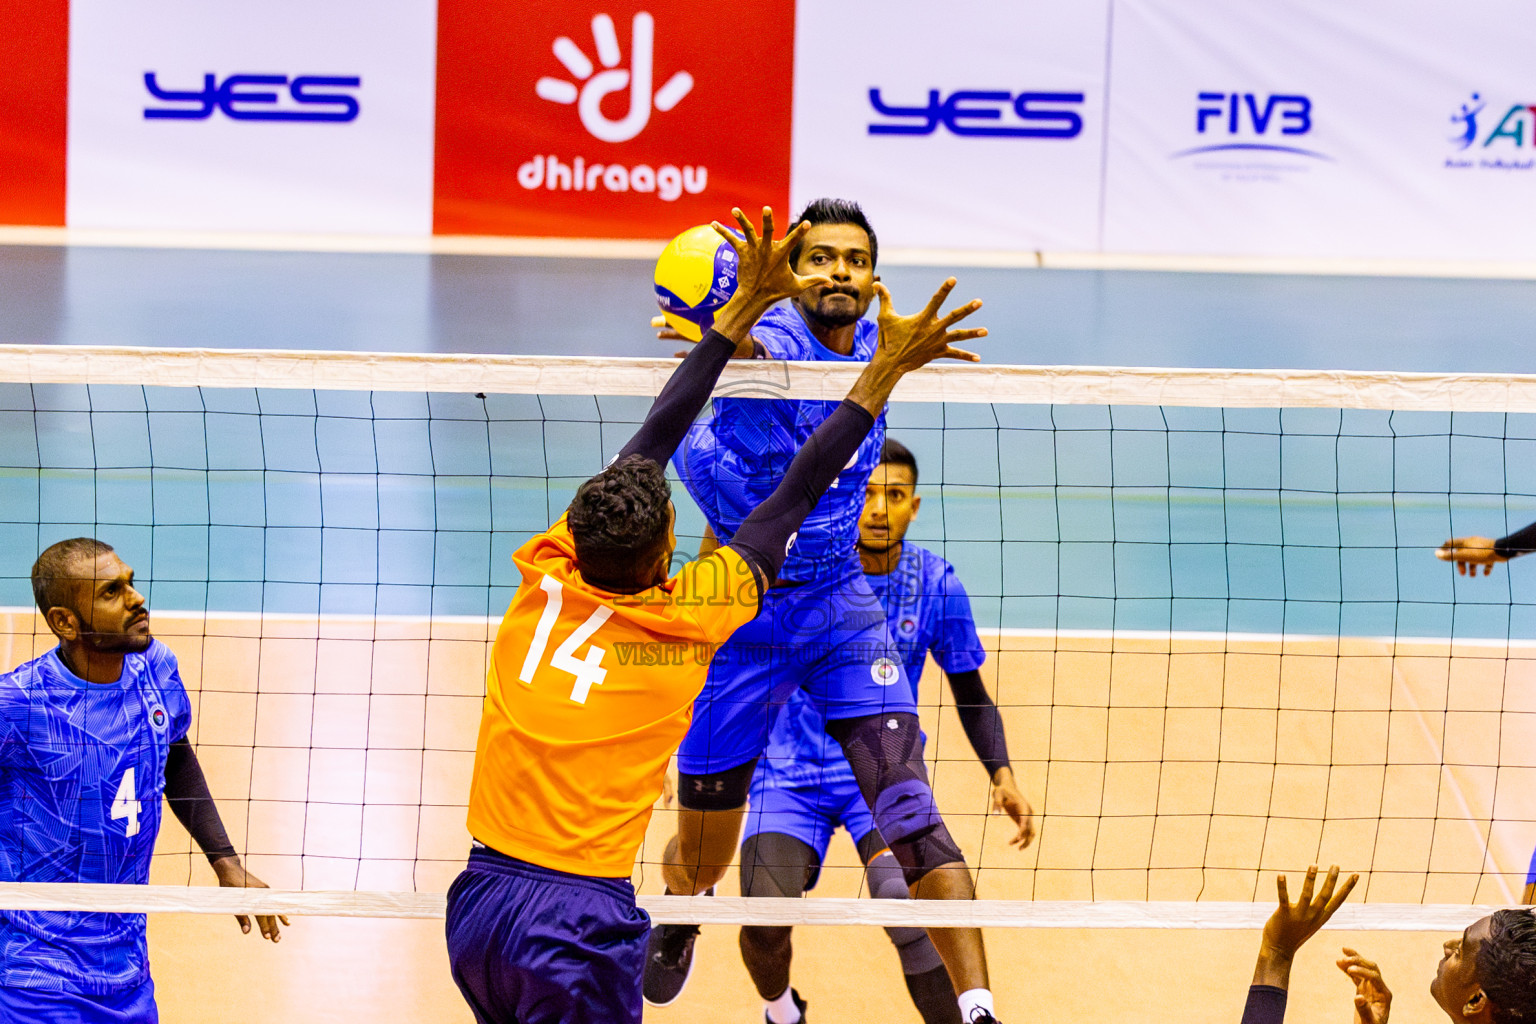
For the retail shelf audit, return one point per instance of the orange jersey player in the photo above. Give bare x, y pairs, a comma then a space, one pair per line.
574, 740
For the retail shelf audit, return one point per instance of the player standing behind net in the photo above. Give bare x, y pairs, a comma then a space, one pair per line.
92, 734
542, 924
803, 788
1470, 552
821, 630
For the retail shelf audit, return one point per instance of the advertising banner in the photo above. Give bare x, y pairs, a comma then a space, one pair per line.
285, 116
610, 118
985, 132
1312, 128
34, 70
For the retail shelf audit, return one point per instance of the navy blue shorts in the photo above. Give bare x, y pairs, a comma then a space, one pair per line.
44, 1006
530, 945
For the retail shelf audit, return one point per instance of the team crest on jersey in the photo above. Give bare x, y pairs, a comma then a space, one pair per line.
907, 626
884, 671
157, 717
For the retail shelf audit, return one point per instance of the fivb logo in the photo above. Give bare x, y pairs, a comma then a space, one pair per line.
668, 181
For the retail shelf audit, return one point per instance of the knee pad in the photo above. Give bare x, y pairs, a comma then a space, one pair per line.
886, 882
716, 791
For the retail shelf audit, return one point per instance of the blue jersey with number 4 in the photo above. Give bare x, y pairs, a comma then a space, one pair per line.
928, 611
82, 772
732, 462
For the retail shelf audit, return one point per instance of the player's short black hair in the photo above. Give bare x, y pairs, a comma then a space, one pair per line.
619, 521
898, 454
1506, 966
55, 569
835, 211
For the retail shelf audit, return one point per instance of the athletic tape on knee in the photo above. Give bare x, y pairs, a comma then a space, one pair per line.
886, 882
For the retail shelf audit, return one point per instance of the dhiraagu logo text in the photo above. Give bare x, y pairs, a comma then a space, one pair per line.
591, 172
1493, 136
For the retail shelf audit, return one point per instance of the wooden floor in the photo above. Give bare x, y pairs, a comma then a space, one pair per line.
1165, 769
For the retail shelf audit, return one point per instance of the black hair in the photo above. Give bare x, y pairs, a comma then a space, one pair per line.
835, 211
1506, 966
898, 454
619, 521
56, 568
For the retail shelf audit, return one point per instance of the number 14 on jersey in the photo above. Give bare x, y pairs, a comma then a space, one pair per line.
589, 671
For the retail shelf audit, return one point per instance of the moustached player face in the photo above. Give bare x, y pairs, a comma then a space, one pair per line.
109, 616
841, 252
890, 505
1456, 987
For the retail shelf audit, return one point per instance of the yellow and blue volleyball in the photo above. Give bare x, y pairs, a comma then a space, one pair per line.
695, 276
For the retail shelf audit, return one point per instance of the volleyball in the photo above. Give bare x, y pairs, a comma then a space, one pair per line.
695, 276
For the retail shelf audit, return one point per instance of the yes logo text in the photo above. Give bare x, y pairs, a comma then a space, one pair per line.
255, 97
981, 112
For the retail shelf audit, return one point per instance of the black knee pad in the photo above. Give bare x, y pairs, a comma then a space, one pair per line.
774, 864
717, 791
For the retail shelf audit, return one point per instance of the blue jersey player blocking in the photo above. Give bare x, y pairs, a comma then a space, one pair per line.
820, 630
92, 735
803, 789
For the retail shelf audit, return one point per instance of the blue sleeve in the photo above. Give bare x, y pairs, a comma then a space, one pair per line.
12, 715
1530, 876
172, 691
956, 647
1266, 1005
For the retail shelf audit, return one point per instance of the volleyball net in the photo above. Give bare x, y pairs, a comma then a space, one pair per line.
1215, 625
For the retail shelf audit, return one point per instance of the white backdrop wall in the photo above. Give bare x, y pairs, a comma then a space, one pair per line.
1286, 128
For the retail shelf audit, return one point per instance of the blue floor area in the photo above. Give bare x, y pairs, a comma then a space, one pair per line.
1302, 521
413, 303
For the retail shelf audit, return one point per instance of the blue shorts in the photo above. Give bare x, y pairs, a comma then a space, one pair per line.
530, 945
829, 638
45, 1006
810, 813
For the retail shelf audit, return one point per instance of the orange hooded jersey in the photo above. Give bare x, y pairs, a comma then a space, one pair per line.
588, 696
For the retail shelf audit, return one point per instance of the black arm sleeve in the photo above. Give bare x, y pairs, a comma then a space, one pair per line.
982, 722
1266, 1005
763, 540
680, 401
1521, 542
187, 792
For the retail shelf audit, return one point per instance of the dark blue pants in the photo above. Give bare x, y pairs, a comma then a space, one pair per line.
530, 945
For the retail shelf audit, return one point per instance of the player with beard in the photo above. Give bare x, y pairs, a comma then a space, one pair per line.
803, 789
1487, 975
821, 629
92, 734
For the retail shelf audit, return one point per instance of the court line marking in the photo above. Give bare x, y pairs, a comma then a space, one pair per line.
648, 249
817, 381
159, 899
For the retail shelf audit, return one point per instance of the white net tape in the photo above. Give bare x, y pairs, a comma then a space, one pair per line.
570, 375
736, 910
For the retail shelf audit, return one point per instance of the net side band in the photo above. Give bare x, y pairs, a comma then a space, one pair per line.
575, 375
728, 910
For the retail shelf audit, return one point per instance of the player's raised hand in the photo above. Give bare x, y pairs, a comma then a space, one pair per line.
1373, 1000
1470, 552
916, 340
232, 875
1294, 923
763, 273
1007, 797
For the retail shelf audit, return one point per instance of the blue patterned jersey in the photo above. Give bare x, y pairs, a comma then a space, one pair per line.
731, 462
928, 612
82, 772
